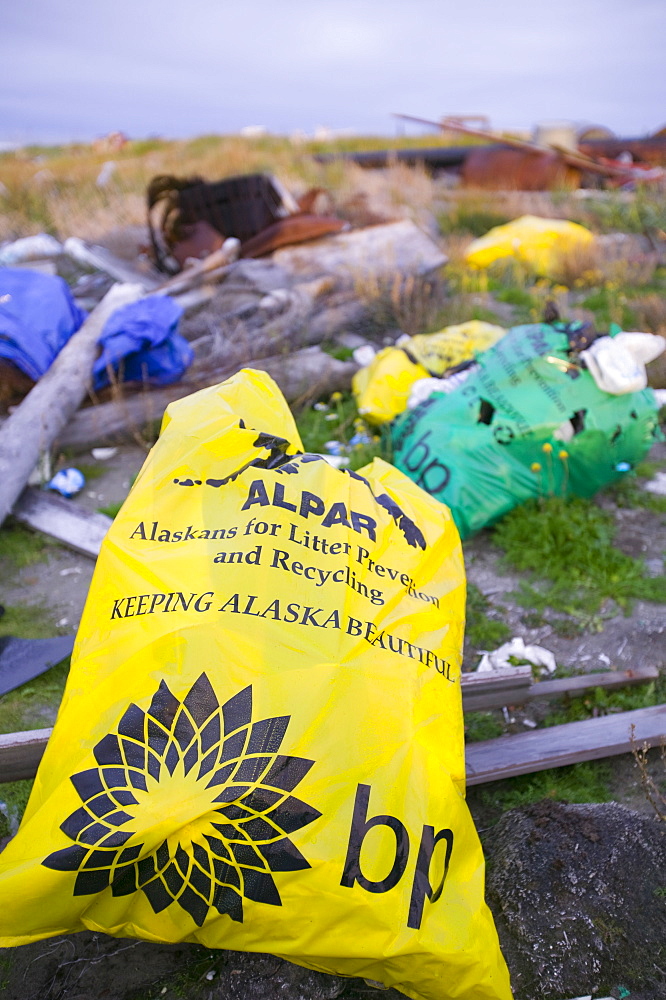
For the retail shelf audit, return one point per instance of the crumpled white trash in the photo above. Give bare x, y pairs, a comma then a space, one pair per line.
498, 659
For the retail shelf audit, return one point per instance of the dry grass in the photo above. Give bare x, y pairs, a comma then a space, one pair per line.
58, 193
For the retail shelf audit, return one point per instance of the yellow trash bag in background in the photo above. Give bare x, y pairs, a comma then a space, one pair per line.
538, 243
382, 388
260, 746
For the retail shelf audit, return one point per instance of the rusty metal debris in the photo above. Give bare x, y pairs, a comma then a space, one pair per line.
197, 216
552, 164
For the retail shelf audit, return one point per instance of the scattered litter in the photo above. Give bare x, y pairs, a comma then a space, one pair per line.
67, 482
425, 387
337, 461
103, 454
515, 653
604, 659
39, 247
657, 485
617, 364
364, 355
140, 343
490, 444
37, 317
210, 975
106, 173
71, 571
530, 723
383, 387
538, 243
62, 623
21, 660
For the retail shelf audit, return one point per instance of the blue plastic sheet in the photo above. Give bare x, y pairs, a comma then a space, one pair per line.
37, 317
140, 343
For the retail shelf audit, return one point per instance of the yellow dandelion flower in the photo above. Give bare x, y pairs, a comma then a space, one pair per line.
535, 467
547, 447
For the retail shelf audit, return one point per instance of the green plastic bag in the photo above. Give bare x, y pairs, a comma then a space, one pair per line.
530, 421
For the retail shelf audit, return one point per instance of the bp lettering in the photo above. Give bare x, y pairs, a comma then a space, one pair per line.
433, 475
422, 888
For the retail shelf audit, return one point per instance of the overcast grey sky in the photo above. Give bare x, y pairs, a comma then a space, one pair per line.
79, 68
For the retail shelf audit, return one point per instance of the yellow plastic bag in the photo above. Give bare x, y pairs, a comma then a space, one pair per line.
538, 243
260, 746
382, 388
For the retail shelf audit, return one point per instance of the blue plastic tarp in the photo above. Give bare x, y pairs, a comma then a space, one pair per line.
140, 343
37, 317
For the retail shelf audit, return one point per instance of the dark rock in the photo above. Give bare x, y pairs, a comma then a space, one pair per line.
579, 898
87, 965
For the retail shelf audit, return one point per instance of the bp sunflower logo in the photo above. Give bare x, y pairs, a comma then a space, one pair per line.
189, 803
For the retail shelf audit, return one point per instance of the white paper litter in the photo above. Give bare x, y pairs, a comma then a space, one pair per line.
498, 659
617, 364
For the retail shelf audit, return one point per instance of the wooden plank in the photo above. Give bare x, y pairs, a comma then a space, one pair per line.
608, 679
607, 736
20, 753
493, 689
491, 760
306, 373
486, 690
63, 520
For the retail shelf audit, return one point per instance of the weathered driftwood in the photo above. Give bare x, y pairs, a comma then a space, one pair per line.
570, 743
373, 254
302, 375
63, 520
47, 408
102, 259
491, 760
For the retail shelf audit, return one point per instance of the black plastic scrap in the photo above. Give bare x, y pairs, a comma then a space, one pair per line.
21, 660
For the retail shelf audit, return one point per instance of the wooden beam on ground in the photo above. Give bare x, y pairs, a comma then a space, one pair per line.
486, 689
571, 743
20, 753
608, 679
491, 760
308, 373
493, 689
63, 520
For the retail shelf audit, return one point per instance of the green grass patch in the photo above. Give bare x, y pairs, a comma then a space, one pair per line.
481, 726
34, 705
611, 305
474, 220
27, 621
14, 797
517, 297
588, 781
91, 471
111, 509
481, 631
339, 420
567, 543
600, 701
19, 546
628, 493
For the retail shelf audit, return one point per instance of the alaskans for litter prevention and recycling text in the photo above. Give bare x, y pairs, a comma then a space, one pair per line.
260, 745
